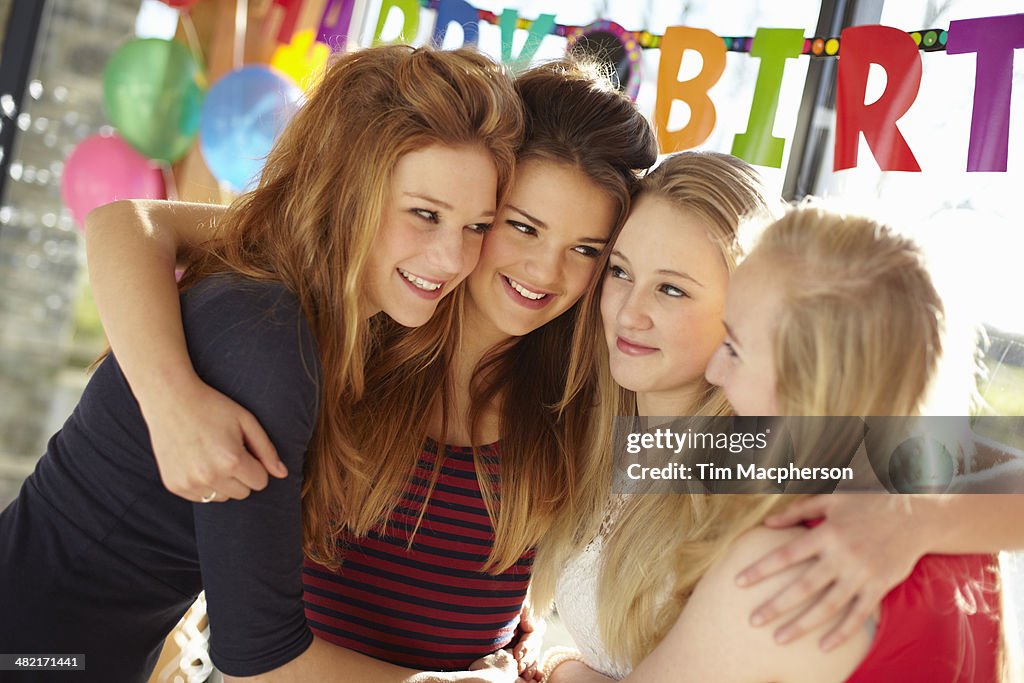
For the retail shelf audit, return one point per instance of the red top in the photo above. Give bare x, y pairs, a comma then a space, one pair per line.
429, 606
941, 625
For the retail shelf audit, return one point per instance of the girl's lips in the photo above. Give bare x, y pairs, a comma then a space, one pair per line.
632, 348
532, 304
422, 293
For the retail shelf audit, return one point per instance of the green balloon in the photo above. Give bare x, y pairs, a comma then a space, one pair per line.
152, 96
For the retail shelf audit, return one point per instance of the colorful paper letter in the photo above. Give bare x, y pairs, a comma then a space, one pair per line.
462, 13
694, 92
994, 40
774, 46
896, 52
410, 24
335, 24
291, 16
542, 26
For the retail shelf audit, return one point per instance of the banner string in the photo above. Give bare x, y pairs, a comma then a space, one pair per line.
927, 40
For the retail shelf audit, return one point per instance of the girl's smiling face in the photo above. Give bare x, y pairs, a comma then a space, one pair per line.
662, 299
431, 231
541, 252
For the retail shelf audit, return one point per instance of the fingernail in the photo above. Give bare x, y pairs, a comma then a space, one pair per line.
784, 636
743, 579
829, 643
757, 619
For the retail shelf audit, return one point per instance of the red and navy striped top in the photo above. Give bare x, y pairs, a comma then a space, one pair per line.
429, 606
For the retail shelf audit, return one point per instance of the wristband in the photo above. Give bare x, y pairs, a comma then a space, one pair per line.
556, 656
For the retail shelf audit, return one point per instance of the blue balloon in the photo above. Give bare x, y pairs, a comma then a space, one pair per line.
242, 115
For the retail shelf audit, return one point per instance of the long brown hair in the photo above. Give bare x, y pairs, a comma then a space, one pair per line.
313, 219
574, 116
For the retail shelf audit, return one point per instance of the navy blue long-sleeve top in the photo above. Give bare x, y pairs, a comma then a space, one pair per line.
98, 558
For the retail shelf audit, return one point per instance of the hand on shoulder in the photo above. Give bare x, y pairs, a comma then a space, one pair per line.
714, 639
207, 447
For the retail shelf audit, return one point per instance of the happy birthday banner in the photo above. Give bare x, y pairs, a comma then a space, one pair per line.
991, 39
164, 105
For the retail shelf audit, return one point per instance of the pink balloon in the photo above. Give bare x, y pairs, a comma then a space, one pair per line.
103, 168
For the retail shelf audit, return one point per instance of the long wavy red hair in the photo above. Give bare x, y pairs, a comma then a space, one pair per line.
313, 219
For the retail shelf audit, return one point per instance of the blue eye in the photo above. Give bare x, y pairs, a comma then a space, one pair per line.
617, 273
428, 215
523, 227
671, 291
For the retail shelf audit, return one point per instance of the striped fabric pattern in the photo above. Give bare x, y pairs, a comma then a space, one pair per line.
429, 606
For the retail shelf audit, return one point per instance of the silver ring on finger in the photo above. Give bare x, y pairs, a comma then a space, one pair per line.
207, 499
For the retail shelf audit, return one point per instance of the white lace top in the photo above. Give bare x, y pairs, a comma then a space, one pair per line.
576, 599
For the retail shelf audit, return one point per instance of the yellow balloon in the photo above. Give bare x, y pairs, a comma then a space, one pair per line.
303, 59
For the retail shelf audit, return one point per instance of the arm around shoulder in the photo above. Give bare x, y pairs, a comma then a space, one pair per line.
713, 638
197, 434
132, 247
174, 226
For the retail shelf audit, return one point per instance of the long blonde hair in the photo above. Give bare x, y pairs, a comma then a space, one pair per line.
313, 219
721, 190
849, 287
848, 278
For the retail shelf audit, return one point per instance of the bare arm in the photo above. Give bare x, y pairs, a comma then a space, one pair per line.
713, 638
868, 543
1002, 470
132, 248
978, 523
576, 672
203, 442
323, 662
985, 521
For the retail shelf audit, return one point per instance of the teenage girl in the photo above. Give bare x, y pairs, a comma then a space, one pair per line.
97, 558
